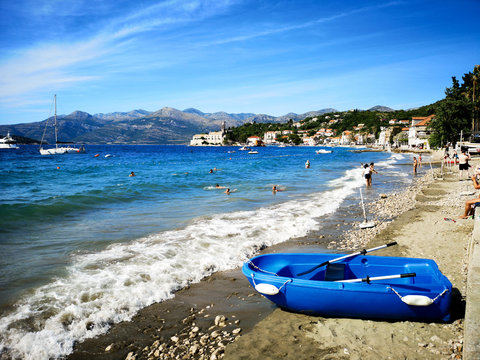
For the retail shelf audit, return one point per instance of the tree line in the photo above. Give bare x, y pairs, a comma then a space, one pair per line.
458, 113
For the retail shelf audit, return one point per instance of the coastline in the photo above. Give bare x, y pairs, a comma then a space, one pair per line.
254, 328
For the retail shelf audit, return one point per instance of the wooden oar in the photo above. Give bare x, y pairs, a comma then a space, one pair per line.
368, 278
362, 252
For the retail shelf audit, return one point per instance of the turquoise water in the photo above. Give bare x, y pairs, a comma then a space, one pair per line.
84, 245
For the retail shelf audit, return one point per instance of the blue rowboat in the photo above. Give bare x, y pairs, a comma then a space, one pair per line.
358, 286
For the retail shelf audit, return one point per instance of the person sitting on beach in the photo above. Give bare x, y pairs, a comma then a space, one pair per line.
132, 174
367, 174
227, 191
470, 204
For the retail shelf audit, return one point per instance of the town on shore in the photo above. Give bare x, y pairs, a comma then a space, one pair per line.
403, 134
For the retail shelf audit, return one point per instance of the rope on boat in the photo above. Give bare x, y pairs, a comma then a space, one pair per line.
272, 289
257, 268
417, 300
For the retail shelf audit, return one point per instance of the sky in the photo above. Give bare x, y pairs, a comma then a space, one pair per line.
253, 56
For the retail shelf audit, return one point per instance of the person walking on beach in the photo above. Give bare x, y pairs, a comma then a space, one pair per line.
415, 164
463, 164
367, 174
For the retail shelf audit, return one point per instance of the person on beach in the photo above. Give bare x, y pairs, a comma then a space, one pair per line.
367, 174
455, 157
419, 161
372, 170
132, 174
470, 204
463, 164
415, 164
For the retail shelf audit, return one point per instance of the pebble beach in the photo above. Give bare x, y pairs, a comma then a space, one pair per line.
223, 317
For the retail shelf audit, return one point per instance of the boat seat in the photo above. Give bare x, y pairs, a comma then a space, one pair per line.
335, 272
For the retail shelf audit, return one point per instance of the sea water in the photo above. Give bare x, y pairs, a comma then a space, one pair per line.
83, 245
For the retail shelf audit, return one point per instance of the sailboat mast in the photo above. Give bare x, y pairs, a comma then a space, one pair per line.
56, 129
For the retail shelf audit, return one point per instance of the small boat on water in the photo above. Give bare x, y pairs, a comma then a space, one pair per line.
356, 285
8, 142
244, 148
253, 152
57, 150
323, 151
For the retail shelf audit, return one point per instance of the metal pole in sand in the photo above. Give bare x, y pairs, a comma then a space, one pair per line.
365, 223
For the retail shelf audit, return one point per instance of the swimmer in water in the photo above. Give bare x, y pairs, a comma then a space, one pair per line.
132, 174
219, 187
227, 191
275, 189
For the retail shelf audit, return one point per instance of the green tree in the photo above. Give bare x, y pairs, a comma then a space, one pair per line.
452, 116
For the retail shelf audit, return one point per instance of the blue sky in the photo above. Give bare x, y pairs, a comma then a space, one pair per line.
270, 57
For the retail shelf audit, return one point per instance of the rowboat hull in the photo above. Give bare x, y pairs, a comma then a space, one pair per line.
314, 293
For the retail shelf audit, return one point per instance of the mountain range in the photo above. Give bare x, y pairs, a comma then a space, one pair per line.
165, 126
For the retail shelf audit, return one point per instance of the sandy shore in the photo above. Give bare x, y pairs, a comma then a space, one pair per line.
224, 317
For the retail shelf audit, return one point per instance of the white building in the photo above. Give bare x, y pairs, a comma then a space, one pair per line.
270, 137
418, 133
212, 138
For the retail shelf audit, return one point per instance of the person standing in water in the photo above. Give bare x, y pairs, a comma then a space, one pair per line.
367, 174
415, 164
372, 170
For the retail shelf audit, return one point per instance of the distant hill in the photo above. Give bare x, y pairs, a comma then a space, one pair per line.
381, 109
165, 126
116, 116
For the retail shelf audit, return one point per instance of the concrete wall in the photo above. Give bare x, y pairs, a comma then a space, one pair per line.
471, 345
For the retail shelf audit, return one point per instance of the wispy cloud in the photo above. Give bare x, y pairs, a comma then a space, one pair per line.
51, 64
287, 28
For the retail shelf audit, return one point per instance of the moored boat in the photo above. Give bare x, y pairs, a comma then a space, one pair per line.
323, 151
57, 150
358, 286
8, 142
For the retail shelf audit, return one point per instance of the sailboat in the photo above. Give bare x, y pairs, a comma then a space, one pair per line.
58, 149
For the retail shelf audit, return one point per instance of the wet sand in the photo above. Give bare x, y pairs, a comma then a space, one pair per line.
237, 323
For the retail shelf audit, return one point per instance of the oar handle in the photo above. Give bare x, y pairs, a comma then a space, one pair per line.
377, 278
362, 252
